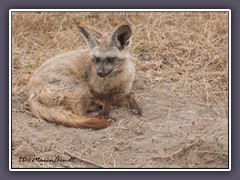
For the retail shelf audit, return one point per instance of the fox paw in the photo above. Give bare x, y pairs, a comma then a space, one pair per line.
111, 119
107, 118
137, 111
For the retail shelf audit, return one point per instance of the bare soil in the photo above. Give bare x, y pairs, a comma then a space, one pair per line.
175, 132
181, 127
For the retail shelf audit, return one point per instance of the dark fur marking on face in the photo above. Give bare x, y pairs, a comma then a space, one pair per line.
86, 76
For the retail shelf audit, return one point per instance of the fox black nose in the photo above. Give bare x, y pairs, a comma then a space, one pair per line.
101, 73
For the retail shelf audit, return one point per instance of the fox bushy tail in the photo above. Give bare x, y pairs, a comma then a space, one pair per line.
59, 115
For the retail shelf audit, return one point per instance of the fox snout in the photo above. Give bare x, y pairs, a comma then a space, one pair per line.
103, 72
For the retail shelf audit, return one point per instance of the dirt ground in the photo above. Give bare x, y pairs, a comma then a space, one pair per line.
185, 117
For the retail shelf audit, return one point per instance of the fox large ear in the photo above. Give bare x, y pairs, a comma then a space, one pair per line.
91, 39
121, 37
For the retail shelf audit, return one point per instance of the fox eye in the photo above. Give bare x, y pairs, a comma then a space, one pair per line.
96, 59
110, 59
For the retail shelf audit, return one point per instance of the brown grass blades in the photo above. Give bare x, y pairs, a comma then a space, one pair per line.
188, 50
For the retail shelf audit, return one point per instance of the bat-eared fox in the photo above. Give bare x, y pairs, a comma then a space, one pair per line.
69, 86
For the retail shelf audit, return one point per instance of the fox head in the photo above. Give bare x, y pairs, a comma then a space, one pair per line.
108, 53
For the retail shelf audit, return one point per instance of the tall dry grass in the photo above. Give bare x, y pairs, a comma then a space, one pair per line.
187, 50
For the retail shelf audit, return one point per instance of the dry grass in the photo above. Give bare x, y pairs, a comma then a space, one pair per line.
187, 50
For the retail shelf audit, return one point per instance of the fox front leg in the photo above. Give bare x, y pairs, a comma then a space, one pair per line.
106, 107
106, 103
131, 103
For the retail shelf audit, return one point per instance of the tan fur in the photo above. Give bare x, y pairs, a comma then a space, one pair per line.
63, 89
